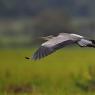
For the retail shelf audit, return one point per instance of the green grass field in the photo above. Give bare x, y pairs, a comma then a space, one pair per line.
69, 71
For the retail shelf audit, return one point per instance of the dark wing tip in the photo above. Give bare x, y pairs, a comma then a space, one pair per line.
93, 41
42, 52
27, 58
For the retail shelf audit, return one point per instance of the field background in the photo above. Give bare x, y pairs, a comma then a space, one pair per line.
70, 71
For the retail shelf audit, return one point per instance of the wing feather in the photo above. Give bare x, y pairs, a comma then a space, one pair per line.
52, 45
84, 42
42, 52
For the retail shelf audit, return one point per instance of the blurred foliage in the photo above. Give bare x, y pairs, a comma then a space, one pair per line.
52, 21
62, 73
16, 8
22, 21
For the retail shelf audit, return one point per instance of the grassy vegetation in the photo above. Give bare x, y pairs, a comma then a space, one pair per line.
69, 71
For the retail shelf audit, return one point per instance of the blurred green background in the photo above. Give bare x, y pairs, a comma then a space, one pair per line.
69, 71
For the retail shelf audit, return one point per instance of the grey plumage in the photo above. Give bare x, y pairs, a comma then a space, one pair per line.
60, 41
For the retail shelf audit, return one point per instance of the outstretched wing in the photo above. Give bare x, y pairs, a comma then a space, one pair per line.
42, 52
52, 45
86, 43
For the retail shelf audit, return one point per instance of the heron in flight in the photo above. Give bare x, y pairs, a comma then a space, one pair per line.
63, 39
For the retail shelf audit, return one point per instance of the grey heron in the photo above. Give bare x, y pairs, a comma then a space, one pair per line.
54, 43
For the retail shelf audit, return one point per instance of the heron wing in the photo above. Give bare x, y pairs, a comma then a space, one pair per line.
84, 42
52, 45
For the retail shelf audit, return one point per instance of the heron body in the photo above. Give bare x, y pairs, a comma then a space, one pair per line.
60, 41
